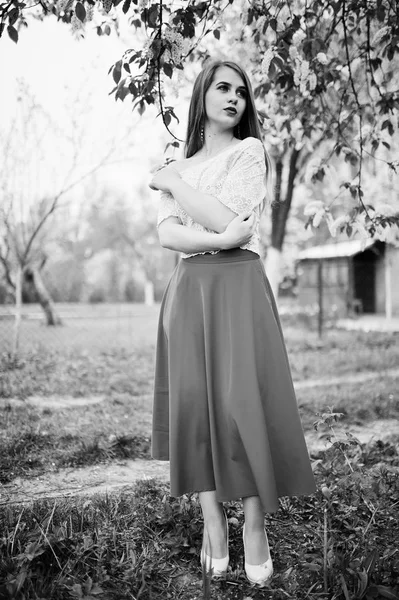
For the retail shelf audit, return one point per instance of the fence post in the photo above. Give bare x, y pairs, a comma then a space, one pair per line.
320, 295
18, 310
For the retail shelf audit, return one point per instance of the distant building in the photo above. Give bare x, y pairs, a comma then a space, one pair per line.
350, 279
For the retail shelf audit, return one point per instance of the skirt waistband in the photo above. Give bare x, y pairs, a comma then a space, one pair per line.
231, 255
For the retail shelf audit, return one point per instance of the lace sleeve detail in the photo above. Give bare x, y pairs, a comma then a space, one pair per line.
245, 185
167, 207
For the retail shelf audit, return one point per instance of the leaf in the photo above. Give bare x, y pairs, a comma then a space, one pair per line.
387, 125
153, 15
80, 11
168, 70
126, 6
34, 549
117, 72
96, 590
107, 5
216, 33
344, 586
76, 590
363, 581
13, 16
20, 579
122, 92
133, 89
13, 33
370, 560
387, 592
312, 566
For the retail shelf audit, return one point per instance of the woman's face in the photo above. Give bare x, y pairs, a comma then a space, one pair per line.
226, 93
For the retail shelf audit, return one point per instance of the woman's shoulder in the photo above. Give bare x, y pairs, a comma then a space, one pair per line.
248, 144
250, 148
252, 144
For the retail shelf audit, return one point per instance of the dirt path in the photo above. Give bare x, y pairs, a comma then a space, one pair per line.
345, 379
121, 475
86, 480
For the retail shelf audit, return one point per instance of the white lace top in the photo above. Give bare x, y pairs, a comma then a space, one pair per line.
236, 177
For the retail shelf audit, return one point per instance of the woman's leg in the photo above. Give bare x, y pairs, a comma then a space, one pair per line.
256, 545
214, 525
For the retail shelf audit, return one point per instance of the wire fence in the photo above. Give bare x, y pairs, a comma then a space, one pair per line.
84, 327
325, 294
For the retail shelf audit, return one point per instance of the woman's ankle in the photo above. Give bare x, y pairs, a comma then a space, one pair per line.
252, 527
215, 539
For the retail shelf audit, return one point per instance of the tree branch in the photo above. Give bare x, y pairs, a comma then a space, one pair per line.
360, 109
4, 262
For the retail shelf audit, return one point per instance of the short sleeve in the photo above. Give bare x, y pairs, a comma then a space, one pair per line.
245, 185
167, 207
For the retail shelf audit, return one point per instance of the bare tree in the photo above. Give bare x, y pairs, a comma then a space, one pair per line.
42, 163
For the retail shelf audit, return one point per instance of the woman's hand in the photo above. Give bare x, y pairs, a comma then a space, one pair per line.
164, 179
239, 231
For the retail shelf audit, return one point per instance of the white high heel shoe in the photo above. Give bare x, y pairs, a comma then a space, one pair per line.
218, 566
258, 575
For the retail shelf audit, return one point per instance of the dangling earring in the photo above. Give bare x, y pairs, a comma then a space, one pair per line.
239, 131
202, 134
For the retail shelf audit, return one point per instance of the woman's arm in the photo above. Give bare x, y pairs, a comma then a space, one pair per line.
243, 189
204, 209
175, 236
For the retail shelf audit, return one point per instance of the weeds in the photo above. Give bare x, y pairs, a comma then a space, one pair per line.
30, 453
339, 544
357, 501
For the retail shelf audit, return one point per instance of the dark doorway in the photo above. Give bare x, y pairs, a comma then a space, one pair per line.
364, 278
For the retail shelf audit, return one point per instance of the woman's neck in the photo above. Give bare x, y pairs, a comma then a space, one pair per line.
215, 143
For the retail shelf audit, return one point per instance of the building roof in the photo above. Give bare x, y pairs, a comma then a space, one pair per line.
337, 250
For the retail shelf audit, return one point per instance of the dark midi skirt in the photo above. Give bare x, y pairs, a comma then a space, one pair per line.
225, 412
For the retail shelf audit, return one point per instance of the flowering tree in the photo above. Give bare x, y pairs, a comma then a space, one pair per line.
325, 75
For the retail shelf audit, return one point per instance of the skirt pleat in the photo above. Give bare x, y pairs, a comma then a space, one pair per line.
225, 413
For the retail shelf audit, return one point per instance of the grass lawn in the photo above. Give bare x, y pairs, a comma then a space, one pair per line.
117, 365
114, 546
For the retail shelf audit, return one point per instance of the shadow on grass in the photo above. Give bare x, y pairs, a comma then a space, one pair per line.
339, 543
31, 453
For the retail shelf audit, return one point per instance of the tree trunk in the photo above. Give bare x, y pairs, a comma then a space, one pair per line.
148, 292
33, 277
280, 211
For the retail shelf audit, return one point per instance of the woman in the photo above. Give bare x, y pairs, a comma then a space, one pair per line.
225, 412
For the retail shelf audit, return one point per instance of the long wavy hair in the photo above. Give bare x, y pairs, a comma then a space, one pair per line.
249, 124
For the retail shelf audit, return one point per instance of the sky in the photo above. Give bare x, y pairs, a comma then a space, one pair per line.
69, 79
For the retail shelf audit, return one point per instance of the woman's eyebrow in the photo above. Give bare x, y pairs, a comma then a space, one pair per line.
240, 87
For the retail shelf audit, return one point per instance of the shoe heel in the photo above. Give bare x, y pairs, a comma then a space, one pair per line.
217, 566
258, 575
